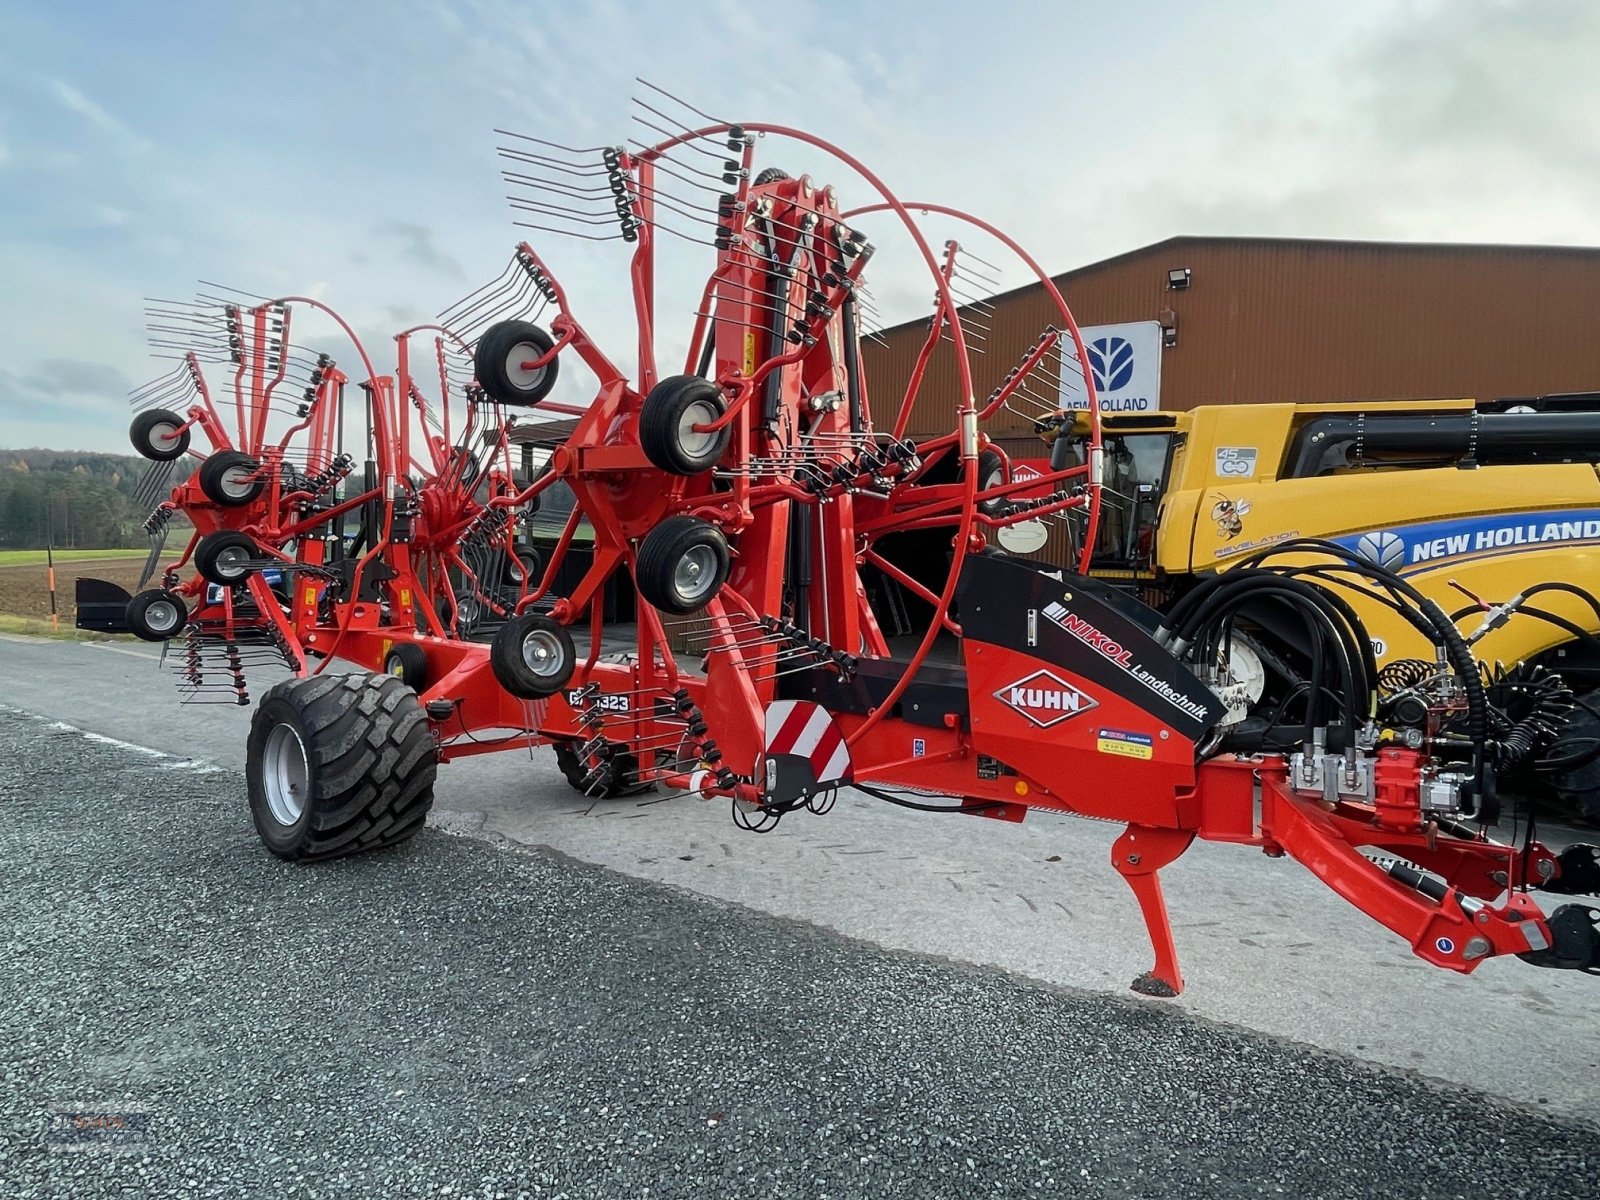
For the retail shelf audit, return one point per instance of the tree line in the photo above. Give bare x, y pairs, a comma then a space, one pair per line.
73, 499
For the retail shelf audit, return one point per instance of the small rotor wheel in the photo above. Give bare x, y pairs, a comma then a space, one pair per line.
532, 656
157, 615
226, 557
991, 474
408, 663
500, 361
667, 421
231, 478
682, 563
523, 566
599, 776
159, 434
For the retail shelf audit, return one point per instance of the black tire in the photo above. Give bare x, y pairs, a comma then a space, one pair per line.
408, 663
524, 564
339, 764
532, 656
991, 473
770, 175
666, 425
1578, 786
498, 357
226, 557
231, 478
618, 776
157, 615
683, 562
159, 434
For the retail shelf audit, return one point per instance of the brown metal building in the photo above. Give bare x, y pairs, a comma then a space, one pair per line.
1277, 319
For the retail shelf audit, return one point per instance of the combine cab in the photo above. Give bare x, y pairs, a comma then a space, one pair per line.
1490, 511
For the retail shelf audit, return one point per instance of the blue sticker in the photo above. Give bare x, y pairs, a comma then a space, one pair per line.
1417, 547
919, 747
1444, 946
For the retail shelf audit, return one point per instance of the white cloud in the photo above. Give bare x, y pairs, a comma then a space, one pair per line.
75, 101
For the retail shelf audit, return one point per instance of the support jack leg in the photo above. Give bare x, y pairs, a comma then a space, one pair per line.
1137, 855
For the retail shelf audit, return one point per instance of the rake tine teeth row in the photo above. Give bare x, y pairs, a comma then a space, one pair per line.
545, 161
602, 193
678, 100
722, 152
528, 137
721, 183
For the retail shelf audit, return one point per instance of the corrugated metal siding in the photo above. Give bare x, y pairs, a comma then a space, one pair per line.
1270, 320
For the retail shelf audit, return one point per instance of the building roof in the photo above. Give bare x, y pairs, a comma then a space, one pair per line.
1181, 241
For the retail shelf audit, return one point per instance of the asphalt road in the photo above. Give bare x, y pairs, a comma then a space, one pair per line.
455, 1019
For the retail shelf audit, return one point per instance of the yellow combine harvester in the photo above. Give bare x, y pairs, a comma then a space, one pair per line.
1474, 505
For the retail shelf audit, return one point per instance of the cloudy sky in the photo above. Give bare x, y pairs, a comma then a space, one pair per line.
347, 150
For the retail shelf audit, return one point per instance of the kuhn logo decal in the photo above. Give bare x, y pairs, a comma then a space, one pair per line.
1045, 699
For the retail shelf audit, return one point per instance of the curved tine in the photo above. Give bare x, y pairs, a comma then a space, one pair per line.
679, 101
665, 157
498, 302
689, 143
565, 189
563, 214
662, 159
528, 137
671, 206
588, 237
663, 197
554, 164
498, 281
240, 291
504, 284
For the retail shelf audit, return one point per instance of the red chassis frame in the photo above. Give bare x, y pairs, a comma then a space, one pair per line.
1024, 720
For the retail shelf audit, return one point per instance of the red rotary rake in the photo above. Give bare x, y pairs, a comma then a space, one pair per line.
740, 506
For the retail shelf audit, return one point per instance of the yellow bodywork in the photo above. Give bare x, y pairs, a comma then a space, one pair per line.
1493, 530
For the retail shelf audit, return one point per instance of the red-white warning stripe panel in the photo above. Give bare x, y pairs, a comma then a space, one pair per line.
807, 730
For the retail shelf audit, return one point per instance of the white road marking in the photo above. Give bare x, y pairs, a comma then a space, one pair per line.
123, 650
167, 762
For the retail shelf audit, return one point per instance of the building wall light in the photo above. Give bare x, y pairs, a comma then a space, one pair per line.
1178, 279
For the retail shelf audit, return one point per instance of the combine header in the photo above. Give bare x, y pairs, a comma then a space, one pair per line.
372, 539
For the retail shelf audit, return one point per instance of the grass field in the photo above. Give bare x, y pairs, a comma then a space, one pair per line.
36, 558
25, 588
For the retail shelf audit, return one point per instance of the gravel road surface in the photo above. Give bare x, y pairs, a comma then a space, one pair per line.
453, 1018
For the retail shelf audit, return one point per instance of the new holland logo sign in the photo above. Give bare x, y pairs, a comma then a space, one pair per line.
1125, 363
1044, 699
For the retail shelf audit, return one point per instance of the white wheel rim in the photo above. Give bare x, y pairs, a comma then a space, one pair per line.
161, 616
696, 444
285, 774
696, 574
238, 482
521, 377
233, 563
164, 436
542, 652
